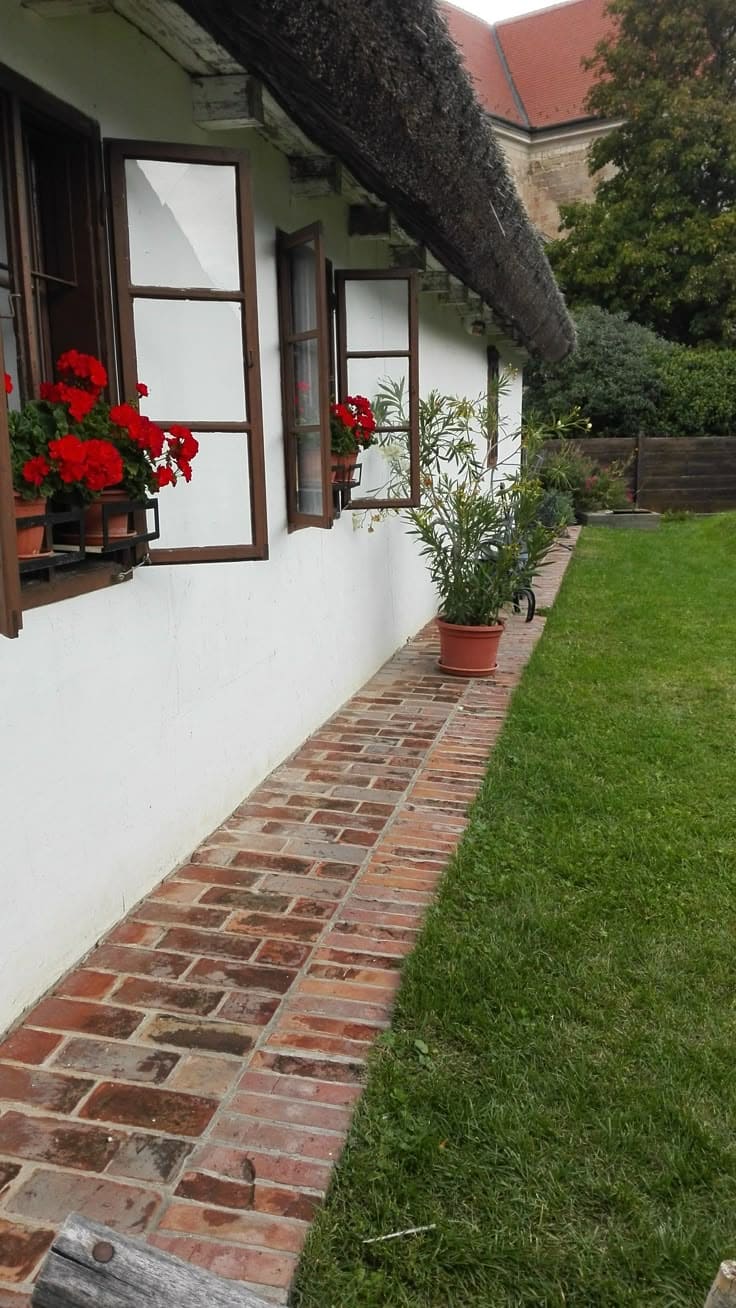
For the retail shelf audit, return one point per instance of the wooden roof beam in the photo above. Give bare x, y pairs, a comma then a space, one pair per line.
314, 175
235, 100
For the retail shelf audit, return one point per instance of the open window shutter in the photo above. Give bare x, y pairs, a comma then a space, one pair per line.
186, 287
378, 357
11, 619
305, 376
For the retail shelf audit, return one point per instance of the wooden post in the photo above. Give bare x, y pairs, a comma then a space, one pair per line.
723, 1290
637, 473
89, 1266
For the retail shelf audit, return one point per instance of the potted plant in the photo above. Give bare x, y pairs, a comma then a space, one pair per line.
72, 447
352, 430
483, 544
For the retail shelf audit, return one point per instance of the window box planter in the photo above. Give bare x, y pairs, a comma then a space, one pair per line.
111, 524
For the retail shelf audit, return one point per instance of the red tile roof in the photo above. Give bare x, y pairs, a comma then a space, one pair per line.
528, 70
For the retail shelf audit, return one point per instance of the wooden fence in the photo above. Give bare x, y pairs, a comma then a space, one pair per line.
672, 472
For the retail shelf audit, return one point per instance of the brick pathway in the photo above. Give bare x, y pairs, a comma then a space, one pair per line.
193, 1080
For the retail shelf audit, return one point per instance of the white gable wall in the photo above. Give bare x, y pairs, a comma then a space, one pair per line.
134, 719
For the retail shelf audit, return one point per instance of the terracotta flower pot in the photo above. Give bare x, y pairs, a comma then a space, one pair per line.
469, 651
343, 466
30, 539
118, 524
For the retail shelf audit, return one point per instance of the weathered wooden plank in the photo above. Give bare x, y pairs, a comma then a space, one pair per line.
222, 102
90, 1266
409, 256
315, 174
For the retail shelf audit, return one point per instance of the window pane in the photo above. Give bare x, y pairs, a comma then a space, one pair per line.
183, 225
306, 382
7, 322
385, 382
377, 315
309, 497
190, 355
214, 507
385, 469
303, 275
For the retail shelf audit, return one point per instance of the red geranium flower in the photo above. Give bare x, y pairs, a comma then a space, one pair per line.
8, 384
103, 465
84, 366
35, 470
141, 388
182, 444
68, 452
165, 476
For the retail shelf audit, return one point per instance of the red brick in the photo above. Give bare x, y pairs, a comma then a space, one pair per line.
219, 1037
209, 942
215, 1191
207, 874
143, 962
180, 914
251, 1228
325, 802
253, 1133
336, 871
86, 984
367, 976
314, 908
118, 1061
150, 1157
283, 953
28, 1046
21, 1248
228, 1161
211, 1077
231, 1261
346, 990
357, 958
293, 1112
283, 1202
250, 899
51, 1196
48, 1140
177, 892
276, 980
273, 862
291, 1087
161, 1110
251, 1009
316, 1044
168, 996
313, 1068
94, 1019
37, 1089
264, 924
133, 933
8, 1173
353, 1010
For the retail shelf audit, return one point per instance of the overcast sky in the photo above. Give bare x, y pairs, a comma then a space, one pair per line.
493, 10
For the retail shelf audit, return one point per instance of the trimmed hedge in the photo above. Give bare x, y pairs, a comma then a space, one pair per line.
627, 381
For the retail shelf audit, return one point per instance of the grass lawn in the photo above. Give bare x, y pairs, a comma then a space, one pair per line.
558, 1093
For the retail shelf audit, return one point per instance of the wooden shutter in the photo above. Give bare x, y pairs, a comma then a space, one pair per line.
186, 284
11, 618
378, 341
305, 376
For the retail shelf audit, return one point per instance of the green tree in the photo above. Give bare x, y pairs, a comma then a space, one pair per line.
659, 240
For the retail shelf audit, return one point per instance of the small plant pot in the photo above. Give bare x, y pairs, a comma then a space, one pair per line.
118, 524
469, 651
30, 539
343, 468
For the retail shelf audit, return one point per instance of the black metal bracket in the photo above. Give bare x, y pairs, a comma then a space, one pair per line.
342, 489
56, 556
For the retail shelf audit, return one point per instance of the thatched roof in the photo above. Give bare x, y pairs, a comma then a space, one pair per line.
380, 84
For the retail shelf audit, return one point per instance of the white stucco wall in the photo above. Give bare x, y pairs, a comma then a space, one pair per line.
133, 720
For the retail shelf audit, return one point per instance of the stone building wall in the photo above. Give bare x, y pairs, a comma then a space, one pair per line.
550, 171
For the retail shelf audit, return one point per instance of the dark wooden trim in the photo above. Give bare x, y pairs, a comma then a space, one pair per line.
11, 618
369, 220
285, 243
117, 153
85, 579
185, 293
410, 276
43, 102
494, 372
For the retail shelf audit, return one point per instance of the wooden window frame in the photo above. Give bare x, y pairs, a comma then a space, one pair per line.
286, 242
411, 354
494, 373
118, 151
11, 615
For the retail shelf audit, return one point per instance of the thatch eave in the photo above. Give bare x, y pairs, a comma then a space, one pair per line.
380, 84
